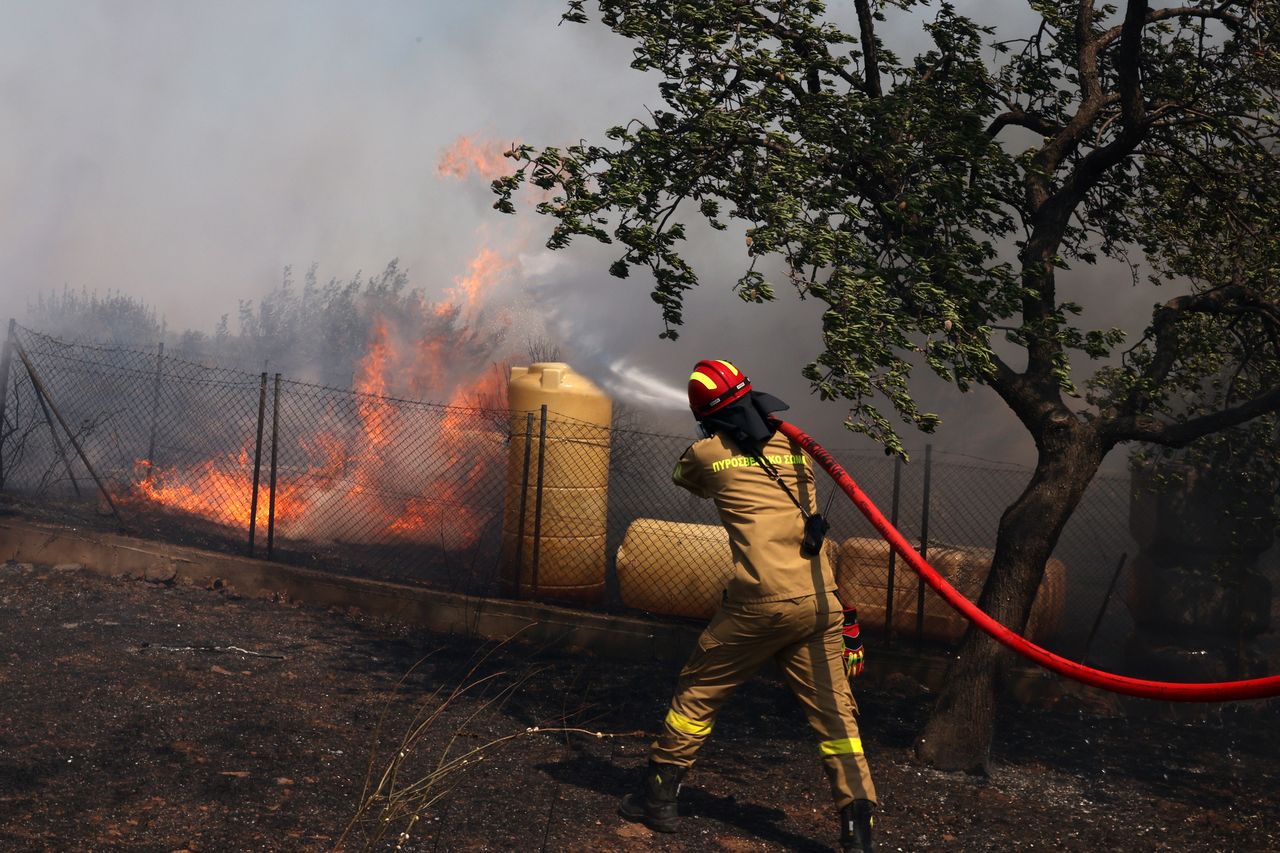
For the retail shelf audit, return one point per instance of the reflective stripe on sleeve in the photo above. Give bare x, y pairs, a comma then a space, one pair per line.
684, 725
841, 746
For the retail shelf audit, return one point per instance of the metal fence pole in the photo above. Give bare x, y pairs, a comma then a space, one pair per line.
924, 540
271, 494
257, 461
893, 555
155, 411
1088, 643
4, 392
42, 390
537, 500
57, 443
524, 500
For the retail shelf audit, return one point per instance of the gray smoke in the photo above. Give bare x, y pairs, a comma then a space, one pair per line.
184, 154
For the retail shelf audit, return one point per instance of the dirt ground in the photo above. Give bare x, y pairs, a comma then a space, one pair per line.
136, 716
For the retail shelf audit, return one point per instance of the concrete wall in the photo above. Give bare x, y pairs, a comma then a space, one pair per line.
903, 668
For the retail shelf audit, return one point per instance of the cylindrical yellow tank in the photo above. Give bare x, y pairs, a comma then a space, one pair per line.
676, 568
862, 573
565, 544
673, 567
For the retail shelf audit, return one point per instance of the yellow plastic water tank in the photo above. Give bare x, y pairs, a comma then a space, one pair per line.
676, 568
673, 567
559, 552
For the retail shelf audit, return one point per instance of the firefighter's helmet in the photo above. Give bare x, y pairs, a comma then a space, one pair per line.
715, 384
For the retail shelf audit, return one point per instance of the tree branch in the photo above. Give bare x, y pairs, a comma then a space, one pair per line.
794, 38
1054, 212
870, 58
1219, 13
1227, 299
1129, 83
1179, 434
1020, 394
1087, 53
1018, 117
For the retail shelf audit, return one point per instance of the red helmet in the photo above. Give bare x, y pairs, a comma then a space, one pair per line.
715, 384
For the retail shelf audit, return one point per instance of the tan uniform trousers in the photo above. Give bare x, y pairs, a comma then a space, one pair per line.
804, 636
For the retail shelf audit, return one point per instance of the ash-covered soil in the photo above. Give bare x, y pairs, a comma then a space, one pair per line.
147, 717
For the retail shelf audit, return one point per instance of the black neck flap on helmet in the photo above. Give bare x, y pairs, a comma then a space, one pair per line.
746, 420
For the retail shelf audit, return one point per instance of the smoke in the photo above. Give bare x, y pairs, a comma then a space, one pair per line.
184, 154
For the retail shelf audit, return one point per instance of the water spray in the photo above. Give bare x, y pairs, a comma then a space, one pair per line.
1222, 691
645, 388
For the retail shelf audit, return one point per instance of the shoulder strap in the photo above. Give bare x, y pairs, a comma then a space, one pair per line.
773, 474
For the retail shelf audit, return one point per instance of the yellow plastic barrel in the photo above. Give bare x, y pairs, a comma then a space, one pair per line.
862, 574
560, 551
673, 567
676, 568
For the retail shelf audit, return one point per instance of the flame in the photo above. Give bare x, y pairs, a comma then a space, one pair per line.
466, 155
381, 478
468, 290
446, 509
371, 383
217, 489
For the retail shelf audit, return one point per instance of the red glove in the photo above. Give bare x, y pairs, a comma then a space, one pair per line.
854, 659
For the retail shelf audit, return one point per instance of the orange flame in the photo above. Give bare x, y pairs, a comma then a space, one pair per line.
466, 155
382, 479
371, 379
219, 490
468, 290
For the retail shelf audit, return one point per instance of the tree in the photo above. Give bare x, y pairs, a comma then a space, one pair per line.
932, 204
114, 319
324, 330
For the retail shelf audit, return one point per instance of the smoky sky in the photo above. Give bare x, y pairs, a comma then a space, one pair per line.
184, 153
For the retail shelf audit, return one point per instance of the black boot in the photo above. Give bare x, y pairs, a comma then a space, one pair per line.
655, 805
855, 827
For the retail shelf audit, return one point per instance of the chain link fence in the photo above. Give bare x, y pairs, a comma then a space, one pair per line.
490, 502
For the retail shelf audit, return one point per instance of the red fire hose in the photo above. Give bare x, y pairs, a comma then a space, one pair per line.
1255, 688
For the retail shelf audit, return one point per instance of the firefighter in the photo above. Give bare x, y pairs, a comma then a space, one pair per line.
780, 604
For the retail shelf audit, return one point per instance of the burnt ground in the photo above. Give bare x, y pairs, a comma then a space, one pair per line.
148, 717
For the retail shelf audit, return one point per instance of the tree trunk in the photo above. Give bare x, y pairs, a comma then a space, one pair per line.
958, 733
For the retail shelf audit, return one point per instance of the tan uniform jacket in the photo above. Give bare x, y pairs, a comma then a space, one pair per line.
765, 525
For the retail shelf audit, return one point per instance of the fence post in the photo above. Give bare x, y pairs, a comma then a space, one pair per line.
524, 500
155, 411
537, 500
257, 461
1088, 643
924, 541
41, 390
271, 494
57, 443
893, 555
4, 393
